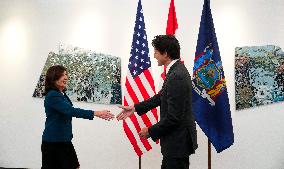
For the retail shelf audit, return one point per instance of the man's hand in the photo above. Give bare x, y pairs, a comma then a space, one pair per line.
104, 114
144, 133
125, 112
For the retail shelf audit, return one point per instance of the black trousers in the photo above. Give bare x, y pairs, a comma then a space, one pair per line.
175, 163
59, 155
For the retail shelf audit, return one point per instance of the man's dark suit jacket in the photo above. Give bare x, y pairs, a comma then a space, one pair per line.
176, 128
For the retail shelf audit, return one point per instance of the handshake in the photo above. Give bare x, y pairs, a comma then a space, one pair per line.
106, 115
125, 112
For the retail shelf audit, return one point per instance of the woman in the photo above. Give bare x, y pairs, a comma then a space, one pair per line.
57, 149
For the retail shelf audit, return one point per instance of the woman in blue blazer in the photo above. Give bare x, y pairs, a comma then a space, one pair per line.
57, 149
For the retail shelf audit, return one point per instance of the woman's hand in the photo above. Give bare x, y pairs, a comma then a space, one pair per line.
104, 114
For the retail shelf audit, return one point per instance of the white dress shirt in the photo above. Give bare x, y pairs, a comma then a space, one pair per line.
170, 65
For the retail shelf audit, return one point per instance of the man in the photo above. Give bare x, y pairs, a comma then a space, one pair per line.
176, 128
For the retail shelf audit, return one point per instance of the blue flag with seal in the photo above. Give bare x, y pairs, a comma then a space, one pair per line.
210, 98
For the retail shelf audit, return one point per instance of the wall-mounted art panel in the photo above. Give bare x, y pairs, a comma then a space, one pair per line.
259, 75
92, 77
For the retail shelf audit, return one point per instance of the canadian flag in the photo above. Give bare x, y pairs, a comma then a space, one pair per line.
172, 26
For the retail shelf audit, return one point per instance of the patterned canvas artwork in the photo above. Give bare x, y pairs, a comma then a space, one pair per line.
259, 75
92, 77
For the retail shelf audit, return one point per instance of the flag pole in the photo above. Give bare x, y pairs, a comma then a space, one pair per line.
139, 162
209, 154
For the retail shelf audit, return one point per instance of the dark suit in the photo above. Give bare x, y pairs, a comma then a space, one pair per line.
176, 128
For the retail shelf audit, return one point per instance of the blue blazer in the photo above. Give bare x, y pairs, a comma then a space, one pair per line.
59, 111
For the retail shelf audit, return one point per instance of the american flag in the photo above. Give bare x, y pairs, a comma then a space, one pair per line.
172, 26
139, 86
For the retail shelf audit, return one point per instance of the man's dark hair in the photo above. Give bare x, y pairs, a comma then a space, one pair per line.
53, 73
167, 43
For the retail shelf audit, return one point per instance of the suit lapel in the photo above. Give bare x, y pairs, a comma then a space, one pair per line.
173, 67
170, 71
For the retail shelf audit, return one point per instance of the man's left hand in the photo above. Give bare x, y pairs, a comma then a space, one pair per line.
144, 133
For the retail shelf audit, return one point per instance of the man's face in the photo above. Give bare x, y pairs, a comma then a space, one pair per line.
161, 58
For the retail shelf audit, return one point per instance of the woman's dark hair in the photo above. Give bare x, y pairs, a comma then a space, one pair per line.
167, 43
53, 73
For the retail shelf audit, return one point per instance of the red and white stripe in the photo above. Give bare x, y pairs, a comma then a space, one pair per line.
139, 89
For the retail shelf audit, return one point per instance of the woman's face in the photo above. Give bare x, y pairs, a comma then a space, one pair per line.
61, 83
